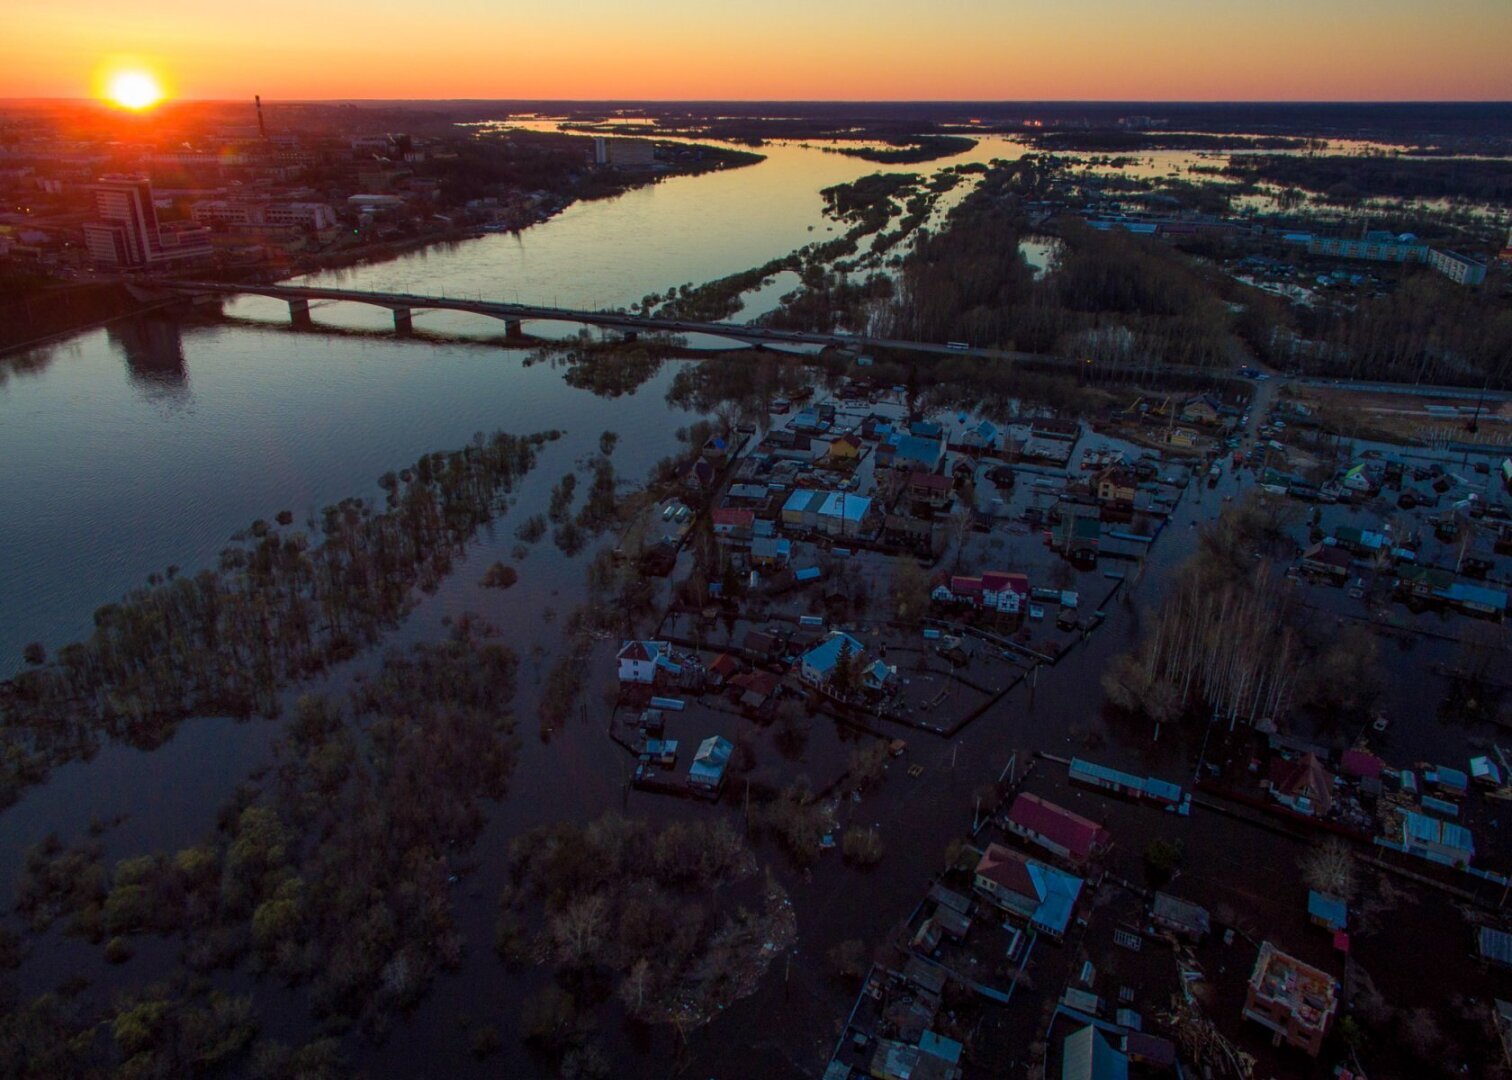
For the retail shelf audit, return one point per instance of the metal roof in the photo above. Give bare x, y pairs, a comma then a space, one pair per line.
1086, 1055
1058, 891
940, 1047
1331, 912
1422, 829
1090, 770
1496, 946
1182, 912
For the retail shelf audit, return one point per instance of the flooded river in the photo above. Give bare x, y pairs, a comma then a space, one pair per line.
149, 443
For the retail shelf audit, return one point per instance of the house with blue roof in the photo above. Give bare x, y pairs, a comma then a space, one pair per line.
1477, 599
910, 452
710, 763
817, 666
878, 676
771, 551
980, 437
1442, 842
843, 514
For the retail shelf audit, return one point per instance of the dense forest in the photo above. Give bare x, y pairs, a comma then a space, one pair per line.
1136, 141
1113, 298
545, 161
1427, 329
1228, 639
1348, 178
909, 150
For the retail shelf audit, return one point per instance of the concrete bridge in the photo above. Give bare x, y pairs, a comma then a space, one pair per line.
404, 305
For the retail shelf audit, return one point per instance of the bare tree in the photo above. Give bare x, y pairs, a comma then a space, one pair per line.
1330, 869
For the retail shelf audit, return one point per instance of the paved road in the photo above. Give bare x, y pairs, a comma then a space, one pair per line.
754, 334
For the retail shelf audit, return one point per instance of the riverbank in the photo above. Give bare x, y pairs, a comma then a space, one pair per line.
50, 313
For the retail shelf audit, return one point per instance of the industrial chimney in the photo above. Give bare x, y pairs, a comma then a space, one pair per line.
262, 129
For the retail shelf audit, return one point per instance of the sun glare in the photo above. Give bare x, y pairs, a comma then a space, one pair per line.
133, 90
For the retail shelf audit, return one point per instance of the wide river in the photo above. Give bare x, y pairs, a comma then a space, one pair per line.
147, 444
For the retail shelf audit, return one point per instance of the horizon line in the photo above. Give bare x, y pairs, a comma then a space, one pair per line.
87, 100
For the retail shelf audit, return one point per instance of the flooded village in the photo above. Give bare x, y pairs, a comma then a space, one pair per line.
910, 576
981, 625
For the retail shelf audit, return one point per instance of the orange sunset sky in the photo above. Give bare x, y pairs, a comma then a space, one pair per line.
774, 49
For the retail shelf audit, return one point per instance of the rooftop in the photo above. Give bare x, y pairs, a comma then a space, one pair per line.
1310, 995
1078, 835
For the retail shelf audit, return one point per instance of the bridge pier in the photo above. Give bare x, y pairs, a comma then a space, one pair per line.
299, 310
632, 335
404, 322
514, 328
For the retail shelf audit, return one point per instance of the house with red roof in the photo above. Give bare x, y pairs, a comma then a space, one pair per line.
995, 590
1303, 785
1361, 763
1005, 592
1056, 829
1034, 891
932, 489
639, 661
732, 524
722, 669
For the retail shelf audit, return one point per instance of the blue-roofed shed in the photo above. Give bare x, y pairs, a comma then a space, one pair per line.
1451, 779
1161, 790
1326, 911
1477, 598
1440, 806
941, 1047
1485, 771
1089, 772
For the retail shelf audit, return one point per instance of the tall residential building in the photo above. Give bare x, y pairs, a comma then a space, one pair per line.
126, 232
624, 153
1377, 246
1456, 267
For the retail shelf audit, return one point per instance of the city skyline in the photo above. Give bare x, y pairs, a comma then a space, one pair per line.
675, 49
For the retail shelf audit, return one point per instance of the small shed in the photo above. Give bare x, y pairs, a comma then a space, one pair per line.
1326, 911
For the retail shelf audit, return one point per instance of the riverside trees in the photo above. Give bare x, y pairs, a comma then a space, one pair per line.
336, 875
279, 608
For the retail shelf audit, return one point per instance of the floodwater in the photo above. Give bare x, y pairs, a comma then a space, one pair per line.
148, 443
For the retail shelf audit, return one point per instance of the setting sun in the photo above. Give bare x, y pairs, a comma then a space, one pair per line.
133, 90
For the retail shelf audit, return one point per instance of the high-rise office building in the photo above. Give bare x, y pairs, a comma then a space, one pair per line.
126, 232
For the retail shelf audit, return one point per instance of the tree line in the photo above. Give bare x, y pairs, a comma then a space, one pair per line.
279, 608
